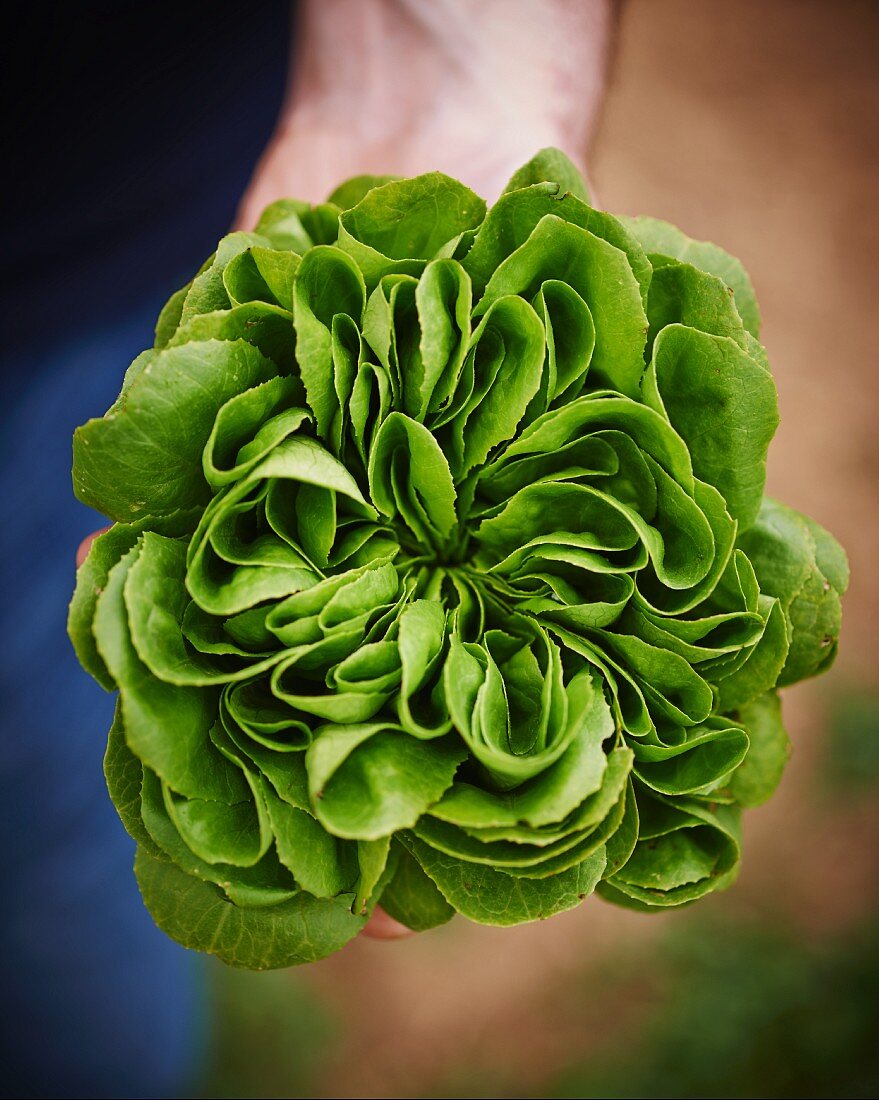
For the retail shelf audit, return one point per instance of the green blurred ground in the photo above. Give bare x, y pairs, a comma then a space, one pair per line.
735, 1010
752, 123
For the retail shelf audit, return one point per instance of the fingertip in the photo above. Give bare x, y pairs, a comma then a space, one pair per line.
82, 551
382, 926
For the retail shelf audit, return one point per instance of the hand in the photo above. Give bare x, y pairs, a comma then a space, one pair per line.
380, 926
408, 86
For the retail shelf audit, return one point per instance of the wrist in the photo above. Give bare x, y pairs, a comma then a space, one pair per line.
408, 86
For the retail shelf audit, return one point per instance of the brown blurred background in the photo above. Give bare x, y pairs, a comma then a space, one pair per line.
753, 124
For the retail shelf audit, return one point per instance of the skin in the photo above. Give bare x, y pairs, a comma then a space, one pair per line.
401, 87
409, 86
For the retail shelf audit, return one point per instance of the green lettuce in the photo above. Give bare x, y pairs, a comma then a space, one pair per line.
441, 573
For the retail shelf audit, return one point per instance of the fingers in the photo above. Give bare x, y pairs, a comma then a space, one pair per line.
86, 545
380, 926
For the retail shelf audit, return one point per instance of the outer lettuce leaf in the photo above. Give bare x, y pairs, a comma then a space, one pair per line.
768, 751
352, 191
553, 166
198, 915
803, 566
412, 898
661, 238
488, 896
144, 458
723, 405
399, 226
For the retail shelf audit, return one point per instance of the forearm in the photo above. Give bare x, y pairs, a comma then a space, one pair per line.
406, 86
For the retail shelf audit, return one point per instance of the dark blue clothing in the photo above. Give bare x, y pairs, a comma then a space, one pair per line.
134, 129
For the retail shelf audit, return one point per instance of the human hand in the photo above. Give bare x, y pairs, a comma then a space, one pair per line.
408, 86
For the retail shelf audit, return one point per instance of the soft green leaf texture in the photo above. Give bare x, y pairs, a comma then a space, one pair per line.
412, 898
666, 240
768, 751
550, 166
300, 930
442, 575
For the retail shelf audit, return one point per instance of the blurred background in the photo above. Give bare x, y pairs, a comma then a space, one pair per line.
754, 124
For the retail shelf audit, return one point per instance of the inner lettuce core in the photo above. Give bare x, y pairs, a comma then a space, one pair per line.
441, 572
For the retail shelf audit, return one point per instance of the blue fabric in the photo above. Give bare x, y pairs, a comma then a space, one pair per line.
131, 152
104, 1004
